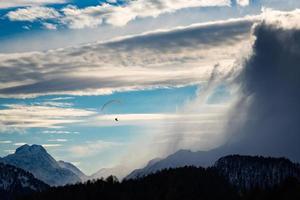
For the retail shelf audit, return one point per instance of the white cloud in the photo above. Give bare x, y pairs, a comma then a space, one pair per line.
51, 145
61, 98
49, 26
92, 148
59, 132
54, 104
121, 15
20, 3
5, 142
30, 116
287, 20
93, 16
58, 140
20, 143
243, 2
165, 58
89, 17
33, 13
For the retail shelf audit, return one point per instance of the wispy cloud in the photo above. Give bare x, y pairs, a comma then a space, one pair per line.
20, 143
59, 132
51, 145
58, 140
31, 116
5, 142
61, 98
54, 104
20, 3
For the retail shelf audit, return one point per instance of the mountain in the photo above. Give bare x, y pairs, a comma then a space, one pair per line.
118, 171
15, 182
250, 172
42, 165
73, 169
179, 159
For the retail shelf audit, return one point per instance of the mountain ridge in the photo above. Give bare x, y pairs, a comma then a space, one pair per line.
183, 158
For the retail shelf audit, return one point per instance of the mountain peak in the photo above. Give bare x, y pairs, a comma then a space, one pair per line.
22, 148
30, 149
36, 160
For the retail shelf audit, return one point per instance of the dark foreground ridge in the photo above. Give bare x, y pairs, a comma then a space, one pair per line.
17, 182
182, 183
232, 177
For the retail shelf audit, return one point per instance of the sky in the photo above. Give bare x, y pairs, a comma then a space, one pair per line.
177, 71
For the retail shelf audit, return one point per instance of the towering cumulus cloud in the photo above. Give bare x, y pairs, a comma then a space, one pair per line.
270, 88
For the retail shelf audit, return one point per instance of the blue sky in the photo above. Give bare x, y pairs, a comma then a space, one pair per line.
170, 63
153, 101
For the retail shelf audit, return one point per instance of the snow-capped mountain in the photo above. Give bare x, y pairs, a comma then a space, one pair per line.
15, 181
179, 159
42, 165
249, 172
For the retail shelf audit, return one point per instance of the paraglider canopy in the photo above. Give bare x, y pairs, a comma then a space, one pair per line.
109, 103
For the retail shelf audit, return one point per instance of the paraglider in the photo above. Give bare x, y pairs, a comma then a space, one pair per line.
109, 103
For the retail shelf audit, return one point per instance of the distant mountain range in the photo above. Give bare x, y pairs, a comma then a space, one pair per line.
43, 166
32, 169
15, 181
180, 158
244, 172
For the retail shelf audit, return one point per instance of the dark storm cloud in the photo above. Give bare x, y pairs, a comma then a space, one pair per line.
266, 119
271, 79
